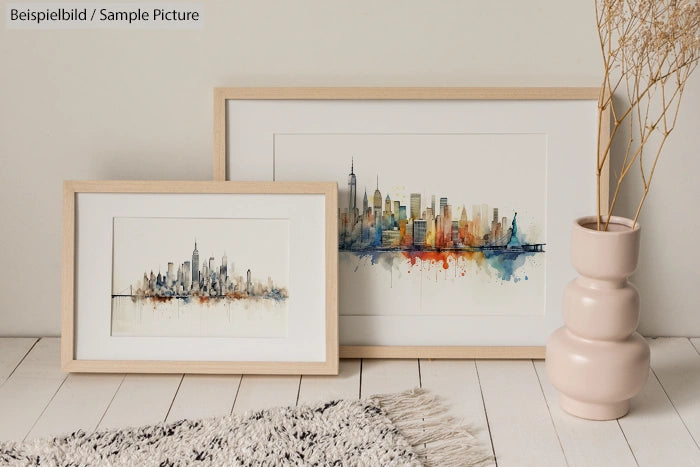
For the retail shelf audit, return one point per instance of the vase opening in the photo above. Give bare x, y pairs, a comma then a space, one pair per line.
617, 224
611, 227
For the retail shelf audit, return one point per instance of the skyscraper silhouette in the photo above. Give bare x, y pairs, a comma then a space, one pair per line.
443, 203
223, 270
377, 205
195, 265
415, 205
419, 231
352, 189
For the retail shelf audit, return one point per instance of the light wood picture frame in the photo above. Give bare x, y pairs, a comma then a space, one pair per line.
259, 131
214, 316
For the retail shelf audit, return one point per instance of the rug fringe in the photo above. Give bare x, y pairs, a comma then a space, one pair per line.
437, 438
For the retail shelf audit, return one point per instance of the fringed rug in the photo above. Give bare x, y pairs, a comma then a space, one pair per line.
407, 429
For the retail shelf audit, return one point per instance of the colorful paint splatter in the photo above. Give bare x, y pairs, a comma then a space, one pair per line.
386, 231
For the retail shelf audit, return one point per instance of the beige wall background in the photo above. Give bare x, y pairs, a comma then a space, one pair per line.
121, 104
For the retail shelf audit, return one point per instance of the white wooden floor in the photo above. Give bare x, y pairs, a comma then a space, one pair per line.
511, 402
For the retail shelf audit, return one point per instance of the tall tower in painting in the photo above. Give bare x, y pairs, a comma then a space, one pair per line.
352, 189
248, 283
415, 205
377, 205
195, 265
223, 270
365, 202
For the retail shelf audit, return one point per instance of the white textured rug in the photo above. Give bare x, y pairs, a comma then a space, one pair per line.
409, 428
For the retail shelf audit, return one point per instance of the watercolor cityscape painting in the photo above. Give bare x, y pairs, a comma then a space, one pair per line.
210, 281
431, 233
432, 224
198, 294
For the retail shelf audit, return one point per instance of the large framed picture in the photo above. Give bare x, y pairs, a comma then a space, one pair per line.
200, 277
455, 204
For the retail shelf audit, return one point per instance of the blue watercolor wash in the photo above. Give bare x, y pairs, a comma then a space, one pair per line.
506, 263
373, 255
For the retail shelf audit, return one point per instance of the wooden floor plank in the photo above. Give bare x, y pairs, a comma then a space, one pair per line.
43, 361
202, 396
26, 393
258, 392
79, 404
696, 343
676, 364
381, 376
585, 442
521, 427
141, 400
655, 432
12, 351
346, 385
457, 382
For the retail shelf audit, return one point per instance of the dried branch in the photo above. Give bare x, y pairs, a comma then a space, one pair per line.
650, 48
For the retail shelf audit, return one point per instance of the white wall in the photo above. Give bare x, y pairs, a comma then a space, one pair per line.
138, 104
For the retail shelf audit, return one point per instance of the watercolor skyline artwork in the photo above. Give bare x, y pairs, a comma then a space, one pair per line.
389, 229
200, 277
432, 224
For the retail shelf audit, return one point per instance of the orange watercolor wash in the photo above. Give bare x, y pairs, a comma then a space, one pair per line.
443, 257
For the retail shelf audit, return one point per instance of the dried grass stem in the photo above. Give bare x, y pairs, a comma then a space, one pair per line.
650, 48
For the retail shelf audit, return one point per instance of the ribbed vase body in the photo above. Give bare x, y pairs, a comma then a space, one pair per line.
598, 361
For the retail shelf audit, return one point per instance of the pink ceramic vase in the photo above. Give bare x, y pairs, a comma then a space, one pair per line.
597, 361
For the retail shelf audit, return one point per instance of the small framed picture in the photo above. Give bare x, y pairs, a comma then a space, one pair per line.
455, 204
200, 277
